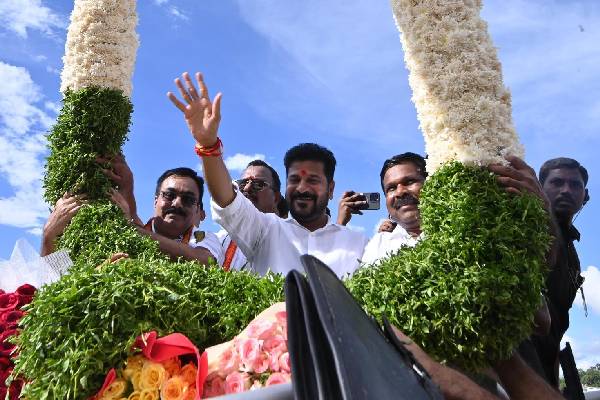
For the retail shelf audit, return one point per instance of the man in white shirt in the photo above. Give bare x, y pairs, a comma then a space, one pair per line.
402, 178
260, 184
269, 242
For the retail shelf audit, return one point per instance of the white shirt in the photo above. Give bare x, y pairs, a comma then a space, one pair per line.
238, 261
384, 243
275, 244
199, 238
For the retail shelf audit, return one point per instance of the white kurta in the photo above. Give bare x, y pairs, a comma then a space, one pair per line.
272, 243
384, 243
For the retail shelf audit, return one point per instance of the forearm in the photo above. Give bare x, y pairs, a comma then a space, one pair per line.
48, 246
218, 180
521, 382
456, 386
178, 250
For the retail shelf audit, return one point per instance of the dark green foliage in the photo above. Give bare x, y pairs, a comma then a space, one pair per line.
93, 121
591, 376
466, 293
84, 324
99, 230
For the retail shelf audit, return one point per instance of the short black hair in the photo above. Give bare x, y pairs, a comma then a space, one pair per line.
562, 162
282, 207
261, 163
408, 157
184, 172
311, 152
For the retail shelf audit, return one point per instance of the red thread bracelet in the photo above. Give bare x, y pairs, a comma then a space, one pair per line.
216, 150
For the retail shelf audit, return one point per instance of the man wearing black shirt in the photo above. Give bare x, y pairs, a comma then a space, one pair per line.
564, 181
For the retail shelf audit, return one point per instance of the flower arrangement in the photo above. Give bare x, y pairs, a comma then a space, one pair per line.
257, 357
468, 291
11, 311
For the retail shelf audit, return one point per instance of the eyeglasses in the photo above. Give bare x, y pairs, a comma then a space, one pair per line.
256, 185
188, 200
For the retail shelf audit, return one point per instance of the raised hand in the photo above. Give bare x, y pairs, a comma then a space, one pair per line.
350, 203
65, 209
201, 115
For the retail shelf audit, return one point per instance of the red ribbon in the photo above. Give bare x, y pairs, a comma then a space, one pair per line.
160, 349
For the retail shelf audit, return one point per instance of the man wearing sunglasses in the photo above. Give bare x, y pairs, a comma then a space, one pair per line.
260, 184
269, 242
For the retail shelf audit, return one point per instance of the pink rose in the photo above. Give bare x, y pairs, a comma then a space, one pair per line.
276, 378
274, 362
214, 386
275, 344
261, 363
284, 362
261, 329
249, 350
237, 382
229, 361
8, 302
281, 317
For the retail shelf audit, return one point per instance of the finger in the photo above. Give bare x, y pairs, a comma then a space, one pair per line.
202, 85
356, 212
356, 204
505, 171
182, 90
182, 107
117, 257
216, 107
510, 182
190, 86
347, 193
111, 175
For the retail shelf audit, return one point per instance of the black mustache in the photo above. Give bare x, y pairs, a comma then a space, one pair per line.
303, 196
566, 198
405, 200
175, 210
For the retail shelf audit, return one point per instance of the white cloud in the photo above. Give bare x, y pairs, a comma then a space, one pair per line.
239, 161
50, 69
52, 106
591, 289
585, 352
22, 145
177, 13
19, 16
356, 228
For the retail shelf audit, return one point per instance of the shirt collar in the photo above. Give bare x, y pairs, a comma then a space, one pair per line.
328, 224
400, 231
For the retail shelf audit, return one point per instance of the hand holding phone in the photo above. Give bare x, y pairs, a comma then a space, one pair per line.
353, 202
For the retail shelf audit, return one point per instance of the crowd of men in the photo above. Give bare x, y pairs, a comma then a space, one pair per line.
258, 235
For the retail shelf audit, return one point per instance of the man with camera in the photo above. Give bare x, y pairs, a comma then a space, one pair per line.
269, 242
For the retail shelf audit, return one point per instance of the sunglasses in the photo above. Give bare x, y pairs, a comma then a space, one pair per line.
256, 185
187, 200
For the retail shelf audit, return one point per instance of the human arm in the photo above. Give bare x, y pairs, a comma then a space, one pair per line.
176, 250
522, 383
453, 384
350, 203
64, 210
203, 117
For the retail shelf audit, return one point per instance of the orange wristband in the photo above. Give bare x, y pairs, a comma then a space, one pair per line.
216, 150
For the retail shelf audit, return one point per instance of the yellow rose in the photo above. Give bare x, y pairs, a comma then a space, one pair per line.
173, 389
188, 374
135, 362
172, 366
136, 379
189, 394
149, 394
137, 395
153, 376
115, 390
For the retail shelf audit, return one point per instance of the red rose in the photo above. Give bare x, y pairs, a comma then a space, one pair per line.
2, 291
14, 390
6, 348
12, 317
26, 290
8, 333
5, 374
8, 302
3, 391
4, 363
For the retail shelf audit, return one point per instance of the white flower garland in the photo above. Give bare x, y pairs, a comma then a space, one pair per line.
101, 45
462, 105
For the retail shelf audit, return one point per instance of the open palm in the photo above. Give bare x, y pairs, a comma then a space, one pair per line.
201, 115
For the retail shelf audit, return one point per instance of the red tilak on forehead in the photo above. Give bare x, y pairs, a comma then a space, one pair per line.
303, 172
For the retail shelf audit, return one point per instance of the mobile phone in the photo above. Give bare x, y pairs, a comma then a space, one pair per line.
373, 200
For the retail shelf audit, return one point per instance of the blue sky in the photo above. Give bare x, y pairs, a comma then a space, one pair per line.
330, 72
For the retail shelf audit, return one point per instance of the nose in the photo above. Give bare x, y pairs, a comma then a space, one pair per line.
302, 186
177, 202
247, 187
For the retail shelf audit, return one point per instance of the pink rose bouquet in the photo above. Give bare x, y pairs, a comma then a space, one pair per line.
257, 357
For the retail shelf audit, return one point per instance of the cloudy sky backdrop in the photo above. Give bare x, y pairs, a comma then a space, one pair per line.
325, 71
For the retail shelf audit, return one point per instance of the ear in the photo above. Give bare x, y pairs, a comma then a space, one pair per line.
201, 214
586, 198
277, 197
331, 189
155, 201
